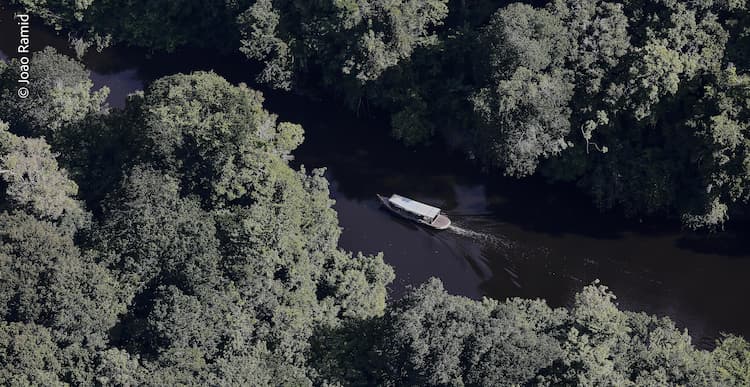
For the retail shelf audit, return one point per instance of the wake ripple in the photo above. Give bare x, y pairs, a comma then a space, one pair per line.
480, 236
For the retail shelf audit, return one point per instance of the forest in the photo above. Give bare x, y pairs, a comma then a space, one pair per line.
170, 242
598, 93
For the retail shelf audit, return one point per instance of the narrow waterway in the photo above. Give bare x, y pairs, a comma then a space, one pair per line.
510, 238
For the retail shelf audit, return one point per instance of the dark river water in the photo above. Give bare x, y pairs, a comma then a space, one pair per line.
510, 238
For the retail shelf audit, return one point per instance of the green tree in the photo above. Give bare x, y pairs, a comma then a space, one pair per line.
59, 14
151, 233
523, 107
47, 280
216, 136
356, 40
33, 182
28, 356
595, 328
259, 26
720, 122
115, 367
157, 25
60, 94
167, 24
732, 356
227, 253
432, 338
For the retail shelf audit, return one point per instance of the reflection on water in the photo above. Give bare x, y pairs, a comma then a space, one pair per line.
509, 239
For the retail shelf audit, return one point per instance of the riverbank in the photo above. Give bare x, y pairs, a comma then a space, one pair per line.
521, 237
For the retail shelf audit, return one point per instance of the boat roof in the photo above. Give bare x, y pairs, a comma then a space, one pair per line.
414, 206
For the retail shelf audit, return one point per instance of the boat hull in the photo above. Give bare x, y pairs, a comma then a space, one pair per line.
441, 222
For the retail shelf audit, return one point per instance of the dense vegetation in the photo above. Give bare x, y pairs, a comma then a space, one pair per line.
170, 243
642, 103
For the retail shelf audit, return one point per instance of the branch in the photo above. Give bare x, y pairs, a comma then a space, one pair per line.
600, 149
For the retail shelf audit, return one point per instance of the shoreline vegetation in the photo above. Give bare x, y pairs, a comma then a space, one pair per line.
642, 103
169, 242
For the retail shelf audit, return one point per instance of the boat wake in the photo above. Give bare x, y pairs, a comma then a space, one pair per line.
480, 236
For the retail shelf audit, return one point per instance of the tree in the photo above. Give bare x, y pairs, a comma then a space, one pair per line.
357, 40
151, 233
523, 107
58, 13
720, 122
28, 356
60, 95
259, 26
658, 352
590, 341
45, 279
33, 182
431, 338
227, 253
220, 132
168, 24
732, 356
115, 367
157, 25
213, 261
599, 41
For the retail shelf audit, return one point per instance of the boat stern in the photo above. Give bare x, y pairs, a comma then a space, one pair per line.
441, 222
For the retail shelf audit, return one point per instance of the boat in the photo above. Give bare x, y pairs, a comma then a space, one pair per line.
416, 211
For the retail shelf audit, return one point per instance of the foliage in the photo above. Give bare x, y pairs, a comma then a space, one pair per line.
60, 95
33, 182
157, 25
47, 280
357, 40
720, 121
28, 356
159, 235
602, 93
73, 119
432, 338
631, 100
58, 13
732, 356
217, 137
166, 24
259, 26
209, 260
524, 106
215, 224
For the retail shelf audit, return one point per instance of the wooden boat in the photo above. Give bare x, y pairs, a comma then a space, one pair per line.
416, 211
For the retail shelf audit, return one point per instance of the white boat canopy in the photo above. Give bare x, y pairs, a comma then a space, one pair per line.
414, 206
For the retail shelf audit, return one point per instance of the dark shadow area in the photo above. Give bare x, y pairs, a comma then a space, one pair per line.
727, 243
558, 241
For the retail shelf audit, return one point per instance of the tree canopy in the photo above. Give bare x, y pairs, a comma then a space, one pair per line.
210, 261
171, 242
60, 94
638, 102
432, 338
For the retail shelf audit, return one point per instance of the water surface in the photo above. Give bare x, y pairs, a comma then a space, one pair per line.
510, 238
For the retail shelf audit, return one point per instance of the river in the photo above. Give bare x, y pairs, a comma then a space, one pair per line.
511, 238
